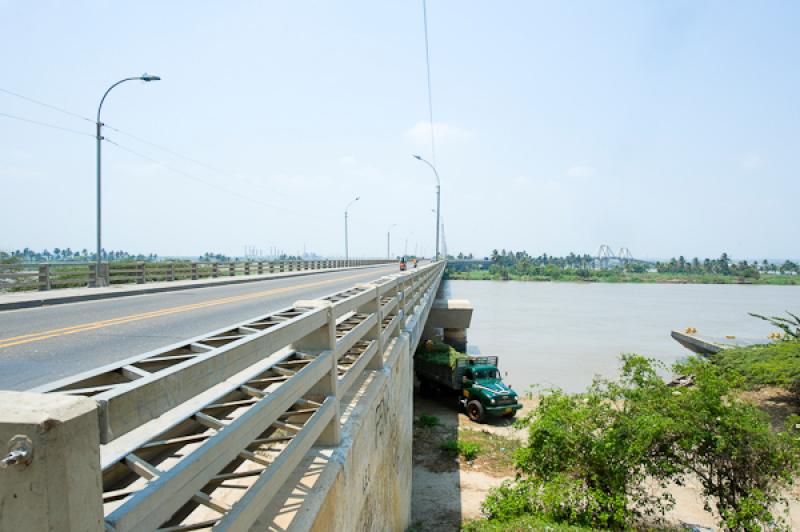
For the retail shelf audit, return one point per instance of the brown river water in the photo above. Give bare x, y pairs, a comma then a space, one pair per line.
563, 334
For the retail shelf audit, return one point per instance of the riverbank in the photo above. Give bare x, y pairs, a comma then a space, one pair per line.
614, 276
447, 491
450, 482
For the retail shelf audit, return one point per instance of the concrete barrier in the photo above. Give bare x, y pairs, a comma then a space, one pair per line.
209, 432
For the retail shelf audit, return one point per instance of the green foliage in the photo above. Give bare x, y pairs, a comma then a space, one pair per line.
439, 353
790, 326
775, 364
589, 454
455, 447
729, 445
427, 421
525, 523
519, 265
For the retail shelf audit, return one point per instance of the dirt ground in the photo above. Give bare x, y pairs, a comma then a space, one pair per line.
447, 491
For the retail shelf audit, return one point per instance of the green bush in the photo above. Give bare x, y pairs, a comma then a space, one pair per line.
775, 364
427, 420
588, 455
456, 447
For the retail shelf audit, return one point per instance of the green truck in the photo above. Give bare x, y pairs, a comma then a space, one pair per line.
475, 379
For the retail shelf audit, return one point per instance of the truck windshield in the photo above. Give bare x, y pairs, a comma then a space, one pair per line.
486, 374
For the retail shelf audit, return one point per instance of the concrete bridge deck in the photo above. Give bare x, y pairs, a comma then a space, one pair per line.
39, 345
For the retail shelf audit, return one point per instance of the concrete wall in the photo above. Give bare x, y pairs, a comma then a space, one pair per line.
372, 487
364, 483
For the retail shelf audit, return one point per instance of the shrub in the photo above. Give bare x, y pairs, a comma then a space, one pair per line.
588, 455
743, 465
427, 420
455, 447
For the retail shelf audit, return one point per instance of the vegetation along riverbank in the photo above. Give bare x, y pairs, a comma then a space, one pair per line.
620, 454
520, 266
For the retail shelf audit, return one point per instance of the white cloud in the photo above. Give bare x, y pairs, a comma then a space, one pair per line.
580, 171
445, 133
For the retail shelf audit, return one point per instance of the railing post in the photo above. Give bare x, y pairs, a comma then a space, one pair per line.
214, 269
260, 267
171, 271
57, 484
44, 277
318, 342
271, 267
232, 269
247, 268
373, 306
92, 274
141, 278
194, 271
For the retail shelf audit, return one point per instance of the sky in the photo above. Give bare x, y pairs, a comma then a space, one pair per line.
669, 128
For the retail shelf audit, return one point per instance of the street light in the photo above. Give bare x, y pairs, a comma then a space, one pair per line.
438, 200
346, 250
100, 280
389, 241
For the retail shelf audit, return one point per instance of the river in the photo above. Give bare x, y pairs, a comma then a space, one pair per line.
563, 334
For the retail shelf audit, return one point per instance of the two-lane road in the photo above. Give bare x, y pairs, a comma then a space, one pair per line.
40, 345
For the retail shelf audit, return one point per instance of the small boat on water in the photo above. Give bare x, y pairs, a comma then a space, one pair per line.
710, 345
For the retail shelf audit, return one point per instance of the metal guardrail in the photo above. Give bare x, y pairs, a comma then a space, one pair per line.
203, 433
48, 276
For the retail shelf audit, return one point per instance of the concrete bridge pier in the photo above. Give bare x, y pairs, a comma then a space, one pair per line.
449, 320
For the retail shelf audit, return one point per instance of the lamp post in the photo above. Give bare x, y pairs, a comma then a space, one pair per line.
438, 200
100, 280
346, 249
389, 241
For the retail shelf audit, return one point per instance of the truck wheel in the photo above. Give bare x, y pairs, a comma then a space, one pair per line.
475, 411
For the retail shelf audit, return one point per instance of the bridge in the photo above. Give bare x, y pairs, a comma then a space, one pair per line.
280, 404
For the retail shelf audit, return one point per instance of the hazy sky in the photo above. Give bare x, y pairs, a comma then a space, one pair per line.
666, 127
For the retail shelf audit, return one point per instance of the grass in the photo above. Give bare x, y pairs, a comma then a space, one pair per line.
497, 450
427, 421
520, 524
775, 364
459, 447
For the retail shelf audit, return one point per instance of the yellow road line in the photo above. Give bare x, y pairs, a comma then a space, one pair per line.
44, 335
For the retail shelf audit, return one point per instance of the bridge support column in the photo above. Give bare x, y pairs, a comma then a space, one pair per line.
56, 484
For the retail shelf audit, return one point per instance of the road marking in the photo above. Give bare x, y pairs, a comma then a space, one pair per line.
44, 335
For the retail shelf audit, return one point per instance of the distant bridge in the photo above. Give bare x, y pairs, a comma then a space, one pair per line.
606, 257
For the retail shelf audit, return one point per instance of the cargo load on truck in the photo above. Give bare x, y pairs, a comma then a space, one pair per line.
475, 380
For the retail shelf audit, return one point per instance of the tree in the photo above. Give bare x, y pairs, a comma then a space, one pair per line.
728, 444
588, 454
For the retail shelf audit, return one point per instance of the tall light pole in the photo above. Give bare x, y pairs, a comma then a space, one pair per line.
438, 201
346, 249
100, 280
389, 241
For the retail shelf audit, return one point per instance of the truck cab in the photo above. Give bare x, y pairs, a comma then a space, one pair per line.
484, 392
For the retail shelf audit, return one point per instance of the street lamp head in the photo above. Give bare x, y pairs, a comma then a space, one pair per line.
416, 157
149, 77
357, 198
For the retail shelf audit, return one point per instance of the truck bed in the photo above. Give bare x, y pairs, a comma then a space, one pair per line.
446, 376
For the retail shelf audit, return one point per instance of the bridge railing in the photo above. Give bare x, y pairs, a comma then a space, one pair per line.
48, 276
203, 433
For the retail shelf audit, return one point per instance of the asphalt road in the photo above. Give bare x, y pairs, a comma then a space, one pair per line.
40, 345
